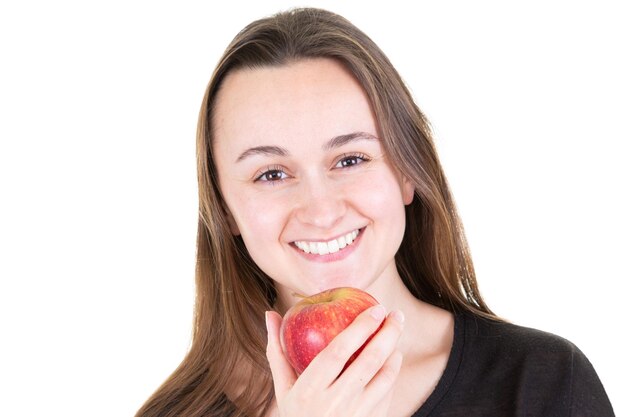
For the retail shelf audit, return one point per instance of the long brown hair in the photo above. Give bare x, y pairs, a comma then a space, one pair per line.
225, 372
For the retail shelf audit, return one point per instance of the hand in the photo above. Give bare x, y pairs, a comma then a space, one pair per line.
363, 390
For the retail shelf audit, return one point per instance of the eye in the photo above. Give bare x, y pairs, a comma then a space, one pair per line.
273, 174
350, 160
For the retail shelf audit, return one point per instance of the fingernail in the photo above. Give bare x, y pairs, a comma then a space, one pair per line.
398, 316
378, 312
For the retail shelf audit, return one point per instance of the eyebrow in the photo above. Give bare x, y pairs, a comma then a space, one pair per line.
263, 150
341, 140
335, 142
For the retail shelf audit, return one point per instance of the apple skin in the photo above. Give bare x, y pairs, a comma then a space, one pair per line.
310, 325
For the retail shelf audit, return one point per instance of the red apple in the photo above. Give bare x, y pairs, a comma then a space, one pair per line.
314, 321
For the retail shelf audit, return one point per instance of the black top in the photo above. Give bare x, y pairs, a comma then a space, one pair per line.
500, 369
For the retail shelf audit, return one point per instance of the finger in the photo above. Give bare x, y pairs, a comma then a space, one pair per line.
375, 354
283, 375
379, 391
328, 364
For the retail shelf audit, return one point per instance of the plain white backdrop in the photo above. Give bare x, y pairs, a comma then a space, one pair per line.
98, 211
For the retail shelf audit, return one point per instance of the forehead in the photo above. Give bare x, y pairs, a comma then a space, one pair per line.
314, 99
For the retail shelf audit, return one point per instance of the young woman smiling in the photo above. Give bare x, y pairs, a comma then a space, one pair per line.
317, 170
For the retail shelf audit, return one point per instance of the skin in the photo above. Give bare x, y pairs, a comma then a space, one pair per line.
299, 158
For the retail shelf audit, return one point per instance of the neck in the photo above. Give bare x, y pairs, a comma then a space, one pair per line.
428, 329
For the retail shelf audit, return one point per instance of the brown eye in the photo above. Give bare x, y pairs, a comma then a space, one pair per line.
272, 175
348, 161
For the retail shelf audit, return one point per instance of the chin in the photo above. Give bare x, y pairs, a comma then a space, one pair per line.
341, 280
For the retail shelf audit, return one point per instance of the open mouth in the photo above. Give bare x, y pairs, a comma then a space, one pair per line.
330, 246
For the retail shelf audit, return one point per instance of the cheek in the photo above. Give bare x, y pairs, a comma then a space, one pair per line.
380, 194
259, 219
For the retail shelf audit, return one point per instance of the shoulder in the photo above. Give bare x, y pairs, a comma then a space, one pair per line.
520, 351
499, 335
542, 370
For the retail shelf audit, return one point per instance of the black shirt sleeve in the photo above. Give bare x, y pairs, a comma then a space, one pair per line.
587, 395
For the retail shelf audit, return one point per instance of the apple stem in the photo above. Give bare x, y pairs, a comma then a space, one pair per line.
295, 294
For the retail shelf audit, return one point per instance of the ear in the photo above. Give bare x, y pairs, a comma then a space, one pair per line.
408, 191
232, 224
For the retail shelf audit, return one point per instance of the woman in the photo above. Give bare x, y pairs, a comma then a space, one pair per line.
317, 170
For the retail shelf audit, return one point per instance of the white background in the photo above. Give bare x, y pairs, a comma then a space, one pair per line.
98, 211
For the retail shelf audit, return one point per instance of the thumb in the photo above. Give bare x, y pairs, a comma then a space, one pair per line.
282, 373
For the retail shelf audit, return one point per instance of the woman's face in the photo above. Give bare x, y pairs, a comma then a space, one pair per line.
304, 177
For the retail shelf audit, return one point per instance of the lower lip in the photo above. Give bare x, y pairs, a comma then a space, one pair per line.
332, 257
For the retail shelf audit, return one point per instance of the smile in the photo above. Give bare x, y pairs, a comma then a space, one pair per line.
331, 246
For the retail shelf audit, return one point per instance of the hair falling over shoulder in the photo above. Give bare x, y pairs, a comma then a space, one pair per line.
232, 293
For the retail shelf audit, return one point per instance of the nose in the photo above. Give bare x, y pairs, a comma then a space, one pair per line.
321, 204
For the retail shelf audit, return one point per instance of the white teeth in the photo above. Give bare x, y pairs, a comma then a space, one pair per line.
322, 248
305, 247
313, 247
332, 246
